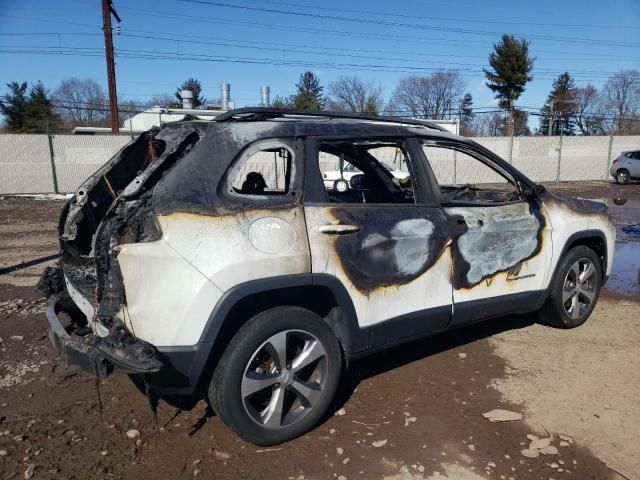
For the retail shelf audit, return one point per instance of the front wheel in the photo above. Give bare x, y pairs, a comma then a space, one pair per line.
574, 289
278, 376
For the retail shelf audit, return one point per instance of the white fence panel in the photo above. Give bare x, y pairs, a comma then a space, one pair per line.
78, 156
25, 160
25, 164
584, 158
536, 157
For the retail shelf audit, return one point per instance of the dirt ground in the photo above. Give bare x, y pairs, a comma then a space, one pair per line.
413, 412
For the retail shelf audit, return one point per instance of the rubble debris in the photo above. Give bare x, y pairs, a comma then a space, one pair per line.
51, 281
501, 415
409, 420
133, 433
379, 443
549, 450
539, 443
341, 412
220, 455
529, 453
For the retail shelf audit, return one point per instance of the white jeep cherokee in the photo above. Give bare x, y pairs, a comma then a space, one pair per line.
209, 258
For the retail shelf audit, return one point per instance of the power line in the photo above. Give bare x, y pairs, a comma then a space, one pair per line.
585, 41
310, 30
78, 105
450, 19
285, 47
160, 55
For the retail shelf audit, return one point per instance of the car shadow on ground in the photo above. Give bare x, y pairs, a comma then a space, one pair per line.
405, 353
377, 363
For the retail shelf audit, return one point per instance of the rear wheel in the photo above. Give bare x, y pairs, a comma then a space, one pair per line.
574, 290
278, 376
622, 176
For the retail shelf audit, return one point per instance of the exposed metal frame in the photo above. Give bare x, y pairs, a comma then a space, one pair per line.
261, 113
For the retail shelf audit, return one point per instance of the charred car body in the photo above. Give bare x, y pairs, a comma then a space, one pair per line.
209, 257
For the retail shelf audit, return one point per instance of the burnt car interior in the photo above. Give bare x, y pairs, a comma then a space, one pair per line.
375, 184
477, 179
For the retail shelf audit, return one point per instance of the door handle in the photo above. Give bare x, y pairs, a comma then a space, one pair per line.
339, 229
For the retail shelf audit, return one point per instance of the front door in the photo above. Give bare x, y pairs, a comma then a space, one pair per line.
501, 239
386, 243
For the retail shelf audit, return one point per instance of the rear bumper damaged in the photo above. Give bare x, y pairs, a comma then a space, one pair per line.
97, 355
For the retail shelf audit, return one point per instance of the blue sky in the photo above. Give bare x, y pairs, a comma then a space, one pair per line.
589, 38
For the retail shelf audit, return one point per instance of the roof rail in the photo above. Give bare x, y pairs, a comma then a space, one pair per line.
262, 113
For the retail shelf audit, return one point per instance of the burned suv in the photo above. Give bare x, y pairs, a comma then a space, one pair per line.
209, 259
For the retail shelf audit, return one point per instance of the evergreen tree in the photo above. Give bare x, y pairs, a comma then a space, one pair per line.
30, 113
560, 107
309, 93
281, 102
39, 117
511, 67
466, 114
193, 85
13, 106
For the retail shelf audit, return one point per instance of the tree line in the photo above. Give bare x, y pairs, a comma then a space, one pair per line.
568, 110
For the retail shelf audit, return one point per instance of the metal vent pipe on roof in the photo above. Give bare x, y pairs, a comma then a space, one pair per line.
225, 95
264, 96
187, 99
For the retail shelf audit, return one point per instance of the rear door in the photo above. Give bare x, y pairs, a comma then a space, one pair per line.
384, 239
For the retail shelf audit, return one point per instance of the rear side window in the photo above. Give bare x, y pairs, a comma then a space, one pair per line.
264, 173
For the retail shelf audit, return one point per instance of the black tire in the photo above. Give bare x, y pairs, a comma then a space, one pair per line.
341, 185
250, 347
560, 309
623, 177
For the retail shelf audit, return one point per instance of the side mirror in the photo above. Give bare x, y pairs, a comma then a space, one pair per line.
359, 183
533, 192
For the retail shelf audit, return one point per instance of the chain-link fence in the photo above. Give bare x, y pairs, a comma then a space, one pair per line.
59, 163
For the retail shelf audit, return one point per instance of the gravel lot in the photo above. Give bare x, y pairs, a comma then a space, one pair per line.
410, 413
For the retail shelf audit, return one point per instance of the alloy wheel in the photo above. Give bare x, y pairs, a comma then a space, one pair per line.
579, 288
284, 379
622, 177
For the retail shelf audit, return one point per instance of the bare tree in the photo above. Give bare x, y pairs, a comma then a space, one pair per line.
162, 100
81, 101
488, 124
587, 112
621, 98
434, 96
350, 94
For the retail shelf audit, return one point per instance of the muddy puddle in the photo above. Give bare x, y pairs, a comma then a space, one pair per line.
625, 271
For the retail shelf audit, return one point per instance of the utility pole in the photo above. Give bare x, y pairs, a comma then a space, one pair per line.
107, 11
550, 127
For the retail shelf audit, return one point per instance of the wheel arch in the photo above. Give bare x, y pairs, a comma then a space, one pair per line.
322, 294
596, 240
